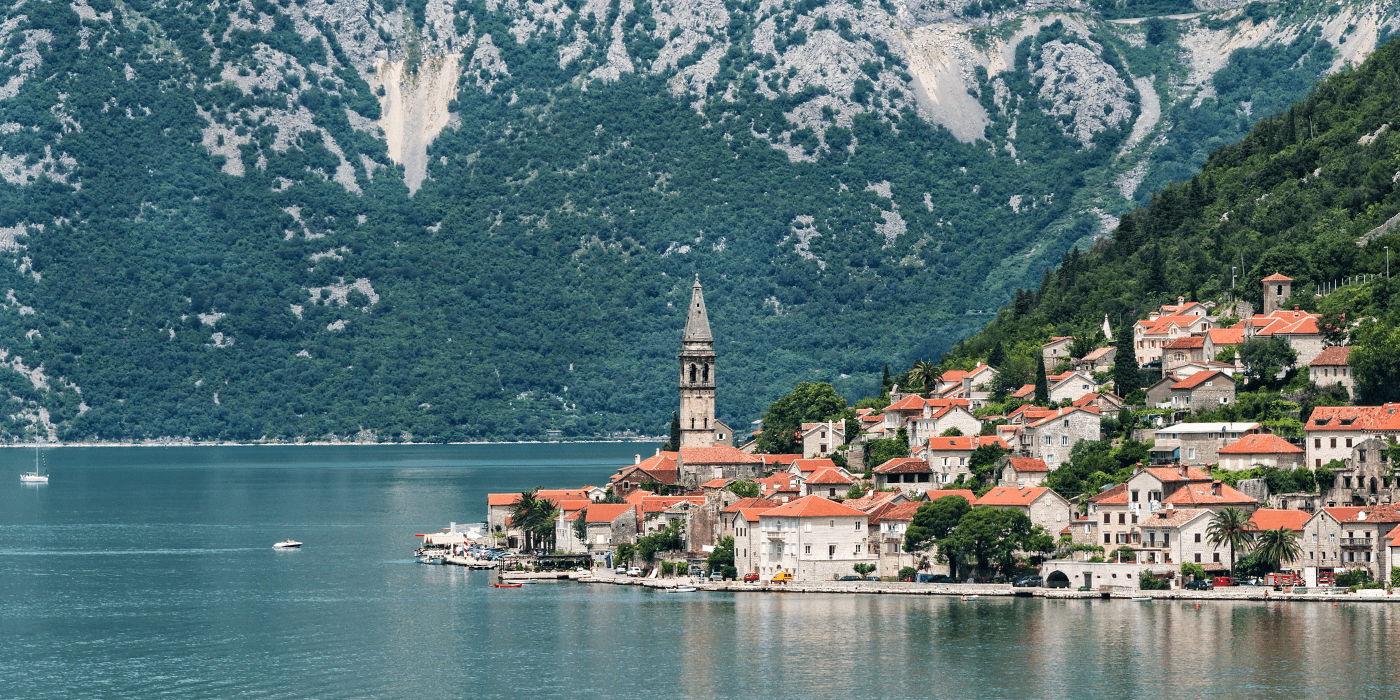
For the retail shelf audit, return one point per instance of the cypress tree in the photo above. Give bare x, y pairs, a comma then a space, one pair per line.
885, 381
1042, 385
1125, 367
675, 442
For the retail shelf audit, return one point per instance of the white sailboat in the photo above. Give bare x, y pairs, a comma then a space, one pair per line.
35, 477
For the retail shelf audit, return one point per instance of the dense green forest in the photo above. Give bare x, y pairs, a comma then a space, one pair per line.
536, 281
1307, 193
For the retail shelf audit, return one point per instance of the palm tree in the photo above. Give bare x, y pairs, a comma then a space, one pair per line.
1278, 546
535, 517
1230, 526
927, 373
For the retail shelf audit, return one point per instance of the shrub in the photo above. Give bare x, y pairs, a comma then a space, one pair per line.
907, 572
1148, 582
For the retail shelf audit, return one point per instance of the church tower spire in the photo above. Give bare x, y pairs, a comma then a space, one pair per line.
697, 385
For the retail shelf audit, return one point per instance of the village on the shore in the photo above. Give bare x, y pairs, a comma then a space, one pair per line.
971, 497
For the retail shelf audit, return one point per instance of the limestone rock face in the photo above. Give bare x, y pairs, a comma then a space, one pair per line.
1079, 85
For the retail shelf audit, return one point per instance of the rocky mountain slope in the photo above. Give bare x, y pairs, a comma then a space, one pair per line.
436, 220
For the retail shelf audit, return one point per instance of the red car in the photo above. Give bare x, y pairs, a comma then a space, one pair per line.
750, 578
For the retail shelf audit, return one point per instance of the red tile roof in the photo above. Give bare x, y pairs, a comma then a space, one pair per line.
1385, 418
1169, 475
898, 511
608, 512
812, 507
830, 476
1393, 535
872, 500
1027, 464
1010, 496
785, 460
1196, 493
1335, 356
1342, 513
720, 454
1172, 517
965, 493
1200, 378
502, 499
1376, 514
750, 503
1186, 343
1061, 413
1097, 354
1226, 336
715, 483
636, 496
1275, 518
1276, 277
807, 466
903, 465
1261, 443
1118, 495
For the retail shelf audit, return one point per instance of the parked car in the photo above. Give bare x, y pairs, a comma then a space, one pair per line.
750, 577
1200, 585
1028, 582
697, 571
872, 578
944, 579
634, 572
620, 571
716, 576
852, 577
782, 577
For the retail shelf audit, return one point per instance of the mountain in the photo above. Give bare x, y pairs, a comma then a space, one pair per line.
1312, 193
479, 220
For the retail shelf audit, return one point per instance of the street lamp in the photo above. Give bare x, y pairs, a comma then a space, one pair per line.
1387, 262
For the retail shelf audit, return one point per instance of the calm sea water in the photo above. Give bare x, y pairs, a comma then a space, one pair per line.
148, 572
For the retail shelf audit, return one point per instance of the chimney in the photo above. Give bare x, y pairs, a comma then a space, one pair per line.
1215, 488
637, 459
1181, 301
1181, 471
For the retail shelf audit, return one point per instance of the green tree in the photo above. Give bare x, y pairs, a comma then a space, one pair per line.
669, 538
675, 442
951, 432
863, 569
879, 451
1265, 358
1277, 546
581, 525
927, 374
934, 521
1126, 375
721, 560
744, 489
809, 402
1193, 569
1375, 360
885, 381
535, 518
983, 462
857, 490
1039, 543
1042, 385
1230, 527
989, 536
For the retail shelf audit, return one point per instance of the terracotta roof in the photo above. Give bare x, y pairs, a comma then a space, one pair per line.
1172, 517
1024, 391
1058, 339
656, 504
903, 465
812, 507
720, 454
965, 493
715, 484
1226, 336
778, 479
1342, 513
912, 402
785, 460
1113, 496
1010, 496
1393, 534
1027, 464
1385, 418
837, 426
1260, 443
1169, 475
872, 500
1061, 413
1197, 493
752, 514
1186, 343
750, 503
608, 512
636, 496
502, 499
1376, 514
1090, 399
1335, 356
1275, 518
1097, 354
813, 465
830, 476
1200, 378
898, 511
1276, 277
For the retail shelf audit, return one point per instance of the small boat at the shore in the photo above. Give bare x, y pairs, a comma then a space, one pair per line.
1143, 599
288, 543
681, 589
507, 585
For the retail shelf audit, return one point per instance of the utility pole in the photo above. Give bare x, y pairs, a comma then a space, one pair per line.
1387, 262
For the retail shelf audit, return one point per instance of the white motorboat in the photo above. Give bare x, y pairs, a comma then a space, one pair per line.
287, 544
34, 477
681, 589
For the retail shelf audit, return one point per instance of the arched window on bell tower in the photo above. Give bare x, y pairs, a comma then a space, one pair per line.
705, 373
692, 373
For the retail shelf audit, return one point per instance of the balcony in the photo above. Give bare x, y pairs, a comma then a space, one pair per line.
1361, 542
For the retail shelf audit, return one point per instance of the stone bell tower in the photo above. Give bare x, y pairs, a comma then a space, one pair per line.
697, 374
1276, 291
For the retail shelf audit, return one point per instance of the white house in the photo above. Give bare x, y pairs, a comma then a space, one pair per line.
814, 539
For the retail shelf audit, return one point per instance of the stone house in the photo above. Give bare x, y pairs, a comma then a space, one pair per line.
743, 522
832, 483
696, 465
1051, 438
1159, 395
726, 515
1275, 519
887, 529
1216, 496
1185, 370
659, 468
1261, 450
1100, 360
1277, 289
1151, 336
1118, 510
904, 473
1332, 431
1056, 351
610, 524
814, 539
1190, 348
1296, 327
1176, 536
1043, 506
1197, 444
1070, 386
949, 457
1330, 367
565, 539
1366, 478
1203, 391
1021, 471
1108, 403
821, 439
973, 386
1344, 538
936, 421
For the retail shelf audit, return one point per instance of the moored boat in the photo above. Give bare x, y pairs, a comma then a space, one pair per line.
288, 543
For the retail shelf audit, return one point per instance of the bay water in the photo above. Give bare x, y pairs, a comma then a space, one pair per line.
148, 572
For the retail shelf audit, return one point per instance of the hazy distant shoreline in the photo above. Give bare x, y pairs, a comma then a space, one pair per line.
325, 444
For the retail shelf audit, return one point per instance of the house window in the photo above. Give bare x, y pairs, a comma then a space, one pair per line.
1166, 539
1107, 518
1047, 439
1106, 537
1348, 442
833, 493
1190, 453
808, 527
807, 549
857, 525
1216, 557
1198, 557
857, 549
1334, 442
1122, 518
1135, 496
1198, 540
1317, 443
821, 448
1064, 439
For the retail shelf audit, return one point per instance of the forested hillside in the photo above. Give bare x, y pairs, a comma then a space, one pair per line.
1313, 193
479, 220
